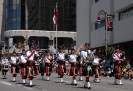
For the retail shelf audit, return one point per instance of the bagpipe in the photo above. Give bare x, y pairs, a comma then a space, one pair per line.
89, 58
37, 54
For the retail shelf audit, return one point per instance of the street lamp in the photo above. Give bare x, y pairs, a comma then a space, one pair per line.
102, 12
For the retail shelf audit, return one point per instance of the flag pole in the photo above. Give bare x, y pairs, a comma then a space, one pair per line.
53, 32
56, 32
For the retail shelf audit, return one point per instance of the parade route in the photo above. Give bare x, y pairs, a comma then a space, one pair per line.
106, 84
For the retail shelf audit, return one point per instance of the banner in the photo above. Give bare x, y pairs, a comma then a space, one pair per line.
10, 42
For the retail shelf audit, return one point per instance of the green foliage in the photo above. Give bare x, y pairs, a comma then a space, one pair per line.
109, 51
101, 53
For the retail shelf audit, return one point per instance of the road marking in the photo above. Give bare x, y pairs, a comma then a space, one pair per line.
19, 85
44, 90
70, 82
6, 83
67, 81
28, 88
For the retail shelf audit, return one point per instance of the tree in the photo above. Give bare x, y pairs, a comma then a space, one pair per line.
109, 51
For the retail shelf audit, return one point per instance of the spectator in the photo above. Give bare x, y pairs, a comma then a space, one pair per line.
128, 66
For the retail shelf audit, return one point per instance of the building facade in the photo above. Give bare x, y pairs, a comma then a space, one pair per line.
2, 19
33, 20
89, 31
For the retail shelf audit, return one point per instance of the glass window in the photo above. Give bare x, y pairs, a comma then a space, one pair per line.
10, 13
18, 1
14, 13
130, 11
96, 1
14, 7
14, 1
10, 26
18, 20
18, 7
126, 13
10, 7
18, 26
10, 19
18, 13
14, 19
14, 26
10, 2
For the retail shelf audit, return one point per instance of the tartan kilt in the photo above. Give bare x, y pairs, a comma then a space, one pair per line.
60, 68
72, 71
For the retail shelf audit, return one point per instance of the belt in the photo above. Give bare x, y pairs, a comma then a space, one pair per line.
47, 64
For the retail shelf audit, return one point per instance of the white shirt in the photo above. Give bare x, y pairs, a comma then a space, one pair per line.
28, 53
4, 61
85, 53
14, 59
61, 55
73, 57
47, 59
22, 59
95, 61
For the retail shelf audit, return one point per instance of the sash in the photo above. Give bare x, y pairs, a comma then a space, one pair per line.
48, 58
117, 56
30, 54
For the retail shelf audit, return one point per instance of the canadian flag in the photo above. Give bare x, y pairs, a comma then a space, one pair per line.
55, 18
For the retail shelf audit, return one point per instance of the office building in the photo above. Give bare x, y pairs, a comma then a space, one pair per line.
88, 30
33, 20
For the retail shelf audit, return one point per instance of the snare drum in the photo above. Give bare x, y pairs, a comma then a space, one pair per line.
5, 67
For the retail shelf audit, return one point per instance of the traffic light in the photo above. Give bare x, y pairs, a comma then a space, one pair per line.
25, 43
109, 22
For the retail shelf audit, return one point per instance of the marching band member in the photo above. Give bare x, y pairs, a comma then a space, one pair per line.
117, 59
4, 64
79, 66
14, 68
95, 65
30, 64
41, 69
47, 65
73, 61
87, 59
22, 63
61, 62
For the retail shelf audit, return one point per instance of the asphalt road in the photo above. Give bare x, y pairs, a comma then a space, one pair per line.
106, 84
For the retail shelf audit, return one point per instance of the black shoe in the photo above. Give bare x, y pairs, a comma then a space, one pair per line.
84, 86
89, 87
31, 85
75, 84
23, 83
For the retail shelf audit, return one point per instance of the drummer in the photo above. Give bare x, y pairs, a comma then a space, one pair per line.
5, 66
